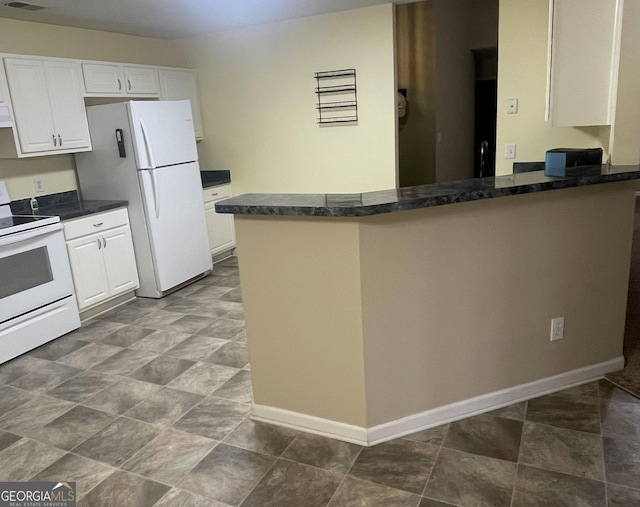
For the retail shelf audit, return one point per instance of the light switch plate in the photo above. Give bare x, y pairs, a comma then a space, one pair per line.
510, 150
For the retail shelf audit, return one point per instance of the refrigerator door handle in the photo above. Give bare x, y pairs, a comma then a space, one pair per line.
147, 147
156, 192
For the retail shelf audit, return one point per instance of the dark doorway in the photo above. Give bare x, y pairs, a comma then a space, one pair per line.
484, 139
485, 109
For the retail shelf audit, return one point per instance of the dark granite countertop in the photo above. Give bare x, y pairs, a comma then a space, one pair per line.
66, 205
213, 178
422, 196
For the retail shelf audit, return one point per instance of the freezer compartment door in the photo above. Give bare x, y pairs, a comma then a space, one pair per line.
176, 223
163, 133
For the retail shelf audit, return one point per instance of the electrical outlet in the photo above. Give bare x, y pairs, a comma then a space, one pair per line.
557, 329
38, 184
512, 106
510, 150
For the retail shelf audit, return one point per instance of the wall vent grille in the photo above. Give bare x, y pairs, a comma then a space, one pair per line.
24, 6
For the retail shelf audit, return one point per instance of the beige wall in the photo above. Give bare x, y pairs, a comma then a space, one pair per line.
470, 314
416, 73
303, 297
258, 104
27, 38
420, 309
454, 91
522, 74
257, 95
257, 99
483, 29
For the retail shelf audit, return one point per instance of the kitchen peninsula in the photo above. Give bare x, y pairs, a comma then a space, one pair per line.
374, 315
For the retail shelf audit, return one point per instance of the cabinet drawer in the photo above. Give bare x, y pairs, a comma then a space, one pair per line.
215, 193
97, 222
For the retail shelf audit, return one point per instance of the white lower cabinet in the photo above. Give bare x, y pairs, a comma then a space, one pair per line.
222, 235
101, 254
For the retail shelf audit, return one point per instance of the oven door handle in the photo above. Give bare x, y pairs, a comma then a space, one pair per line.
12, 239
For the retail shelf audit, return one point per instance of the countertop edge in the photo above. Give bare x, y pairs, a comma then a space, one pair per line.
216, 183
408, 198
84, 208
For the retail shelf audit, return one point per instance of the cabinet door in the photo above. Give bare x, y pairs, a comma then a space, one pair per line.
31, 108
6, 115
141, 81
584, 53
103, 79
67, 105
179, 85
4, 92
220, 227
119, 260
88, 270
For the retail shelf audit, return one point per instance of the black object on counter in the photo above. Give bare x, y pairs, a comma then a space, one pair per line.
563, 162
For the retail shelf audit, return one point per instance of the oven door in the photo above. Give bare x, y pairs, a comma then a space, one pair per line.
34, 270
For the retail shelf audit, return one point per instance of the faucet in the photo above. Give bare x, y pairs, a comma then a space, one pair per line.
484, 147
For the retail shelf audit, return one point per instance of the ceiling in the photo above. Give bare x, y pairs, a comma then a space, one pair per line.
172, 19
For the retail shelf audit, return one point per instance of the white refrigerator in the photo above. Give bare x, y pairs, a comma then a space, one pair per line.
145, 152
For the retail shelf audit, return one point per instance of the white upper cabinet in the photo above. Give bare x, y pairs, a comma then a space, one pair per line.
6, 111
4, 91
141, 81
584, 50
104, 79
67, 105
48, 106
42, 100
180, 84
111, 79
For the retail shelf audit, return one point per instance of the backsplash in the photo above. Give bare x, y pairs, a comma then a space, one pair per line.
23, 206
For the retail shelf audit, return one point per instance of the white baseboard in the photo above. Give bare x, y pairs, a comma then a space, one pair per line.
310, 424
437, 416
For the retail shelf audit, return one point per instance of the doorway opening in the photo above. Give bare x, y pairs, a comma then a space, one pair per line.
446, 54
485, 110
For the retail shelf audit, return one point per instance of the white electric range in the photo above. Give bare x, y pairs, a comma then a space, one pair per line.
37, 301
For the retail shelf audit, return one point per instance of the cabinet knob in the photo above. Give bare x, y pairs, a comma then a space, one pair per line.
99, 224
119, 84
214, 194
104, 243
55, 143
60, 139
129, 83
99, 244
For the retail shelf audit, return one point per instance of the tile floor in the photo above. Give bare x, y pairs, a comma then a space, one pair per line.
148, 405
